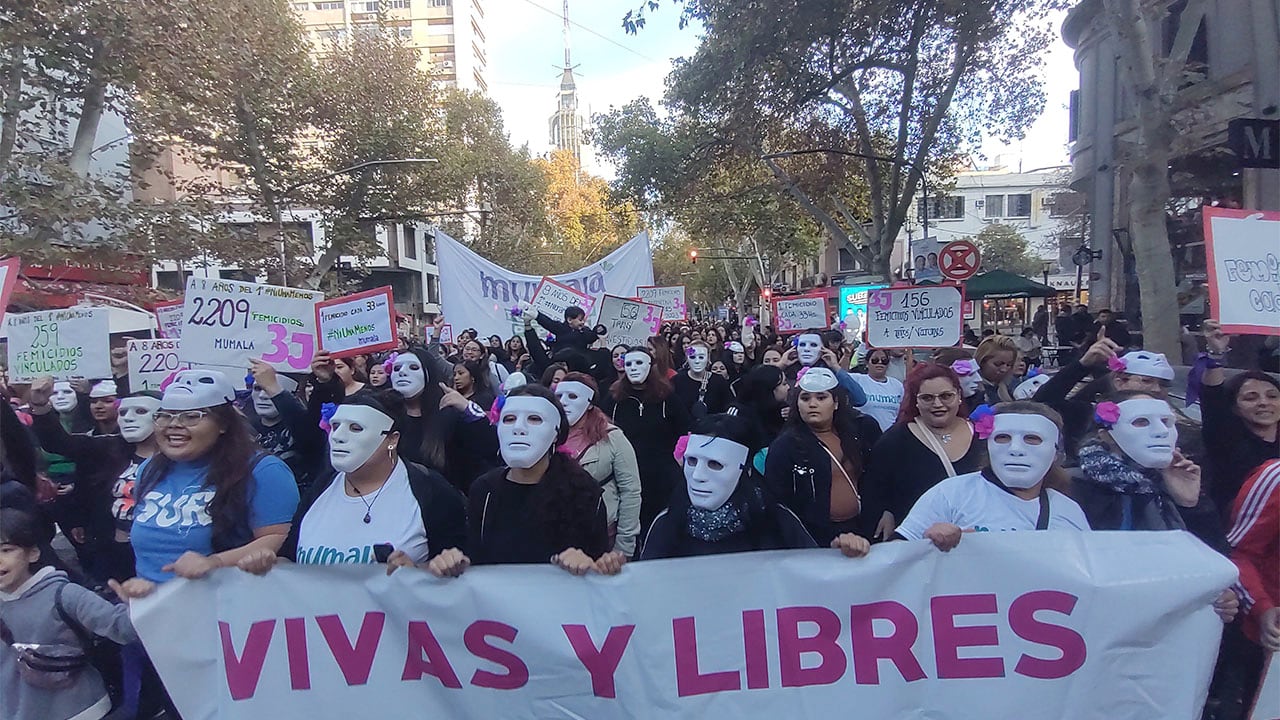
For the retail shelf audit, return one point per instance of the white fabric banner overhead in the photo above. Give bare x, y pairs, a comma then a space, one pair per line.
475, 293
1044, 625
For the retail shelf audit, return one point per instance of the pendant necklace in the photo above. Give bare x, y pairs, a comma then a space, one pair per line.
368, 504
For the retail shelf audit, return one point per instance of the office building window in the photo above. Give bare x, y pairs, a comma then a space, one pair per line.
1019, 206
410, 243
398, 4
441, 3
995, 207
406, 32
329, 5
950, 207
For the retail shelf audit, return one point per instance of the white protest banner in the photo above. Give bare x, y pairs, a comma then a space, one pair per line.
227, 322
63, 343
169, 318
1267, 705
151, 362
1007, 625
477, 293
799, 313
630, 322
8, 280
671, 298
1242, 248
552, 298
361, 323
923, 317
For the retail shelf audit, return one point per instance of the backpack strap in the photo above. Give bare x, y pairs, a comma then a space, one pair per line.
83, 635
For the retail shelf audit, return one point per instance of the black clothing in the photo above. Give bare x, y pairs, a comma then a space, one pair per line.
444, 514
1077, 411
566, 336
465, 445
1233, 451
1107, 509
902, 469
295, 438
504, 528
668, 538
702, 397
653, 429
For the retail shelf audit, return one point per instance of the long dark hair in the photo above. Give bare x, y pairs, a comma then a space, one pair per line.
434, 441
757, 402
656, 388
844, 423
1233, 387
18, 457
230, 474
567, 497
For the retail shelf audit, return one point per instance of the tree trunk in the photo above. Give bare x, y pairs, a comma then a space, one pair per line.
92, 102
12, 106
1148, 191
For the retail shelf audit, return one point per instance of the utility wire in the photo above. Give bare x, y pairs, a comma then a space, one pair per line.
580, 26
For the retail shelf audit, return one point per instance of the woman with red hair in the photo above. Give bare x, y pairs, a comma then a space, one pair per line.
931, 441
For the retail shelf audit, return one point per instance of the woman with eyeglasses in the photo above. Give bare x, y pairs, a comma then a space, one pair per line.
931, 441
884, 393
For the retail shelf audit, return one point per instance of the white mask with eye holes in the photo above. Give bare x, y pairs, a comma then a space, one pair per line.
712, 468
698, 359
1146, 431
575, 398
356, 432
809, 349
970, 384
1022, 448
264, 406
63, 397
408, 377
138, 418
527, 429
636, 365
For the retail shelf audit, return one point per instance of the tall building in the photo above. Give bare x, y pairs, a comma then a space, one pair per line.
447, 33
566, 124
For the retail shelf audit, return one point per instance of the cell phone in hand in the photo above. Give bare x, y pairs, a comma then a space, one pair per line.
382, 551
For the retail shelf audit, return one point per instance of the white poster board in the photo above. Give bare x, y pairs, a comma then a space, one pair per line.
227, 322
630, 322
63, 343
151, 362
919, 317
446, 334
552, 298
361, 323
169, 318
8, 280
797, 314
1242, 248
671, 298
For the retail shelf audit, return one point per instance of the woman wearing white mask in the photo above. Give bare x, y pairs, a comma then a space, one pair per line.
1013, 492
373, 506
282, 425
643, 403
542, 506
701, 391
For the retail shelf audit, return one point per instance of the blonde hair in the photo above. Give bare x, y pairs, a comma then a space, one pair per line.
991, 346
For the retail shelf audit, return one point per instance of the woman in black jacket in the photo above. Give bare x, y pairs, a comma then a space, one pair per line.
818, 465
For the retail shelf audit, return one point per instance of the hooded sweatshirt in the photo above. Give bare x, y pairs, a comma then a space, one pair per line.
32, 618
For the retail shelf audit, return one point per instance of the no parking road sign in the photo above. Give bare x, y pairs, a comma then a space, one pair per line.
959, 260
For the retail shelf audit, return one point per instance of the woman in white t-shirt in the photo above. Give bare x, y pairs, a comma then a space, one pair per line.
1024, 440
374, 506
884, 393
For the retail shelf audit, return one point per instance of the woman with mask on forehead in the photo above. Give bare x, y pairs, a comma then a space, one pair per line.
809, 351
643, 403
605, 453
700, 391
542, 506
1013, 492
724, 508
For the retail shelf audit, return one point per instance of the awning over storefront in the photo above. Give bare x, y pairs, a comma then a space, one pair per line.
1000, 284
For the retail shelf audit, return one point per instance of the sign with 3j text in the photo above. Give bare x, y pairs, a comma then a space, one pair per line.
921, 317
670, 298
361, 323
629, 322
226, 323
62, 343
796, 314
151, 362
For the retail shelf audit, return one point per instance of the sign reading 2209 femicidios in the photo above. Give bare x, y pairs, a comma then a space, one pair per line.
227, 323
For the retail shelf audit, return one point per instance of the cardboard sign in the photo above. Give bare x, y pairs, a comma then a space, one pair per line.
169, 319
8, 279
800, 313
446, 334
630, 322
671, 298
1242, 249
361, 323
918, 317
63, 343
226, 323
552, 298
151, 362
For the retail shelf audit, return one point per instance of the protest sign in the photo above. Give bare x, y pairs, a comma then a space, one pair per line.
63, 343
1242, 248
226, 323
671, 298
800, 313
630, 322
923, 317
552, 298
1007, 625
169, 319
361, 323
151, 362
8, 280
446, 334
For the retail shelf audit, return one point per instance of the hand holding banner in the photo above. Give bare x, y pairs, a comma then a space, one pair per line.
630, 322
552, 298
151, 362
63, 343
227, 323
671, 298
361, 323
796, 314
922, 317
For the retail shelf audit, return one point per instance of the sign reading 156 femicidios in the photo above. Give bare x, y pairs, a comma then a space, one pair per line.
226, 323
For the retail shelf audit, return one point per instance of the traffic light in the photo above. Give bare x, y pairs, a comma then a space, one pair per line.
693, 256
766, 293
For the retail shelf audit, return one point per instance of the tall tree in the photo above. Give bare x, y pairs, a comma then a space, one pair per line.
1004, 248
585, 222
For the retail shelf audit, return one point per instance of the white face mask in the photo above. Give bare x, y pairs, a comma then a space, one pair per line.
1022, 448
1146, 432
63, 397
263, 405
408, 376
356, 433
636, 365
698, 358
712, 468
575, 398
970, 384
808, 349
138, 418
527, 429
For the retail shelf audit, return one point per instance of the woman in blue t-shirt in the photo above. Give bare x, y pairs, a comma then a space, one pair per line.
211, 496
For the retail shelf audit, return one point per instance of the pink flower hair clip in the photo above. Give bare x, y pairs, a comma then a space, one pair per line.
749, 321
681, 445
389, 363
1106, 414
984, 420
689, 352
1117, 364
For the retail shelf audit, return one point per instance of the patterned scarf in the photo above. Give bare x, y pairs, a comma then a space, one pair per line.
716, 525
1119, 474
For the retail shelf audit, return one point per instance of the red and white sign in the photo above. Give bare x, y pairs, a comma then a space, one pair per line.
169, 318
552, 298
800, 313
8, 279
959, 260
361, 323
1242, 248
446, 334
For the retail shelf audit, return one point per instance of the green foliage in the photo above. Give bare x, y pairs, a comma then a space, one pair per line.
1004, 248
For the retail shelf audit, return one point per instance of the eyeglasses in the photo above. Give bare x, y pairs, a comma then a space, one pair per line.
947, 398
877, 361
184, 419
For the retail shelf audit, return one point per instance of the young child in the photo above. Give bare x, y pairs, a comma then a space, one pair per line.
573, 332
29, 614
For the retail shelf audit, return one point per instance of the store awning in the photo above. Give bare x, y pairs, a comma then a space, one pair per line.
1000, 284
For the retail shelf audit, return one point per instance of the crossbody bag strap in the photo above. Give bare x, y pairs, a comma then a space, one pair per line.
1042, 522
86, 640
836, 461
931, 441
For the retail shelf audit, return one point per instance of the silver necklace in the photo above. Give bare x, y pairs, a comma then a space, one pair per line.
368, 504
